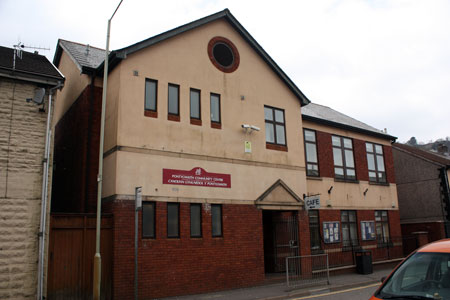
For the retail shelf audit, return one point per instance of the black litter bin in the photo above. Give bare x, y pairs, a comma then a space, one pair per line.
364, 262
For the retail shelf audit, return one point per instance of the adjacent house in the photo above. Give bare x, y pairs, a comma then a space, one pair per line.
215, 133
26, 81
423, 191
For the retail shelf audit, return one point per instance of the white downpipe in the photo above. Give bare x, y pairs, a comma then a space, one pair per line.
42, 226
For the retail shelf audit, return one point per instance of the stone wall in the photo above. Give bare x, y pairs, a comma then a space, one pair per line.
22, 142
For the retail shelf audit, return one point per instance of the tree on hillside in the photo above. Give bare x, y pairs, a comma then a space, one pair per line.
412, 141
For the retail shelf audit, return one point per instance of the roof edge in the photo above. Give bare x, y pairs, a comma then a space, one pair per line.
116, 56
32, 77
348, 127
395, 145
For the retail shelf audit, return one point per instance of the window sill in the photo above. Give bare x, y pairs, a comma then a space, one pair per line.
379, 183
346, 180
216, 125
276, 147
196, 122
151, 113
175, 118
314, 178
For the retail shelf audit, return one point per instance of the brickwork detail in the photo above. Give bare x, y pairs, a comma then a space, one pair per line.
22, 143
326, 162
325, 153
359, 151
170, 267
76, 155
435, 230
389, 163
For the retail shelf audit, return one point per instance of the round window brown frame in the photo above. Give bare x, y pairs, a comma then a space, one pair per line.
228, 43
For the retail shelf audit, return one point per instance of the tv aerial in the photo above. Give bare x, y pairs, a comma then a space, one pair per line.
39, 92
18, 51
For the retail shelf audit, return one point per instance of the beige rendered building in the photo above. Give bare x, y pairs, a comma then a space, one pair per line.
211, 128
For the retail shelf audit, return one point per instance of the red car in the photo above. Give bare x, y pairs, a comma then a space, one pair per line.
423, 275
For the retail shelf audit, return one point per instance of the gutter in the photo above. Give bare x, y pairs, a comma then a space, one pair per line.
42, 225
32, 78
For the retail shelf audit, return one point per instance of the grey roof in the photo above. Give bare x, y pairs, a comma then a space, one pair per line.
31, 66
85, 56
325, 114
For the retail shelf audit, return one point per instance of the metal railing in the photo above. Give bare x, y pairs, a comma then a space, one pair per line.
343, 254
307, 270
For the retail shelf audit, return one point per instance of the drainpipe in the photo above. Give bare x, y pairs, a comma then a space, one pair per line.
42, 225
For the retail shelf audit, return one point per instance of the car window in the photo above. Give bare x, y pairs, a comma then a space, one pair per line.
422, 274
415, 272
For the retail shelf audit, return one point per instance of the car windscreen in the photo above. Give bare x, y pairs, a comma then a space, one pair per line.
423, 275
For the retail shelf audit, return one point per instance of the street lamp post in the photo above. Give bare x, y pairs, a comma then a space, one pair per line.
97, 257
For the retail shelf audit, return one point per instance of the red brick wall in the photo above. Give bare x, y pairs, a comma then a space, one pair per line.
325, 154
76, 143
359, 152
394, 223
436, 230
338, 257
169, 267
326, 163
389, 164
303, 236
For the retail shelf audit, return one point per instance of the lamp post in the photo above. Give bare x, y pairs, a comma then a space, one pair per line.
97, 258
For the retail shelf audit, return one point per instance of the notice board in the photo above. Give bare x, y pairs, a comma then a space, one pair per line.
368, 230
331, 232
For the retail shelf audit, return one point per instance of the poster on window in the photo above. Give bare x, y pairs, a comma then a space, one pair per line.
368, 230
331, 232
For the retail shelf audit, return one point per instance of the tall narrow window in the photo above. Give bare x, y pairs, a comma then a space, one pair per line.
215, 111
151, 91
344, 164
312, 164
375, 163
275, 128
382, 226
148, 220
349, 228
216, 220
195, 106
314, 230
173, 220
196, 220
174, 102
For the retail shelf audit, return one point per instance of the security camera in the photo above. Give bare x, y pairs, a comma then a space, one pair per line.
254, 127
245, 126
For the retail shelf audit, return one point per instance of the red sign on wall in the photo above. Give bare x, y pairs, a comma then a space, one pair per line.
196, 176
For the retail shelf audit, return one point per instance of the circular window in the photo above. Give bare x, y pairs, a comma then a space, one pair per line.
223, 54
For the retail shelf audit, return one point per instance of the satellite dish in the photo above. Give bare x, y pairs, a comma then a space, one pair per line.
39, 94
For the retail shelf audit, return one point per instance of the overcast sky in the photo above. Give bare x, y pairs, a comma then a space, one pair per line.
385, 63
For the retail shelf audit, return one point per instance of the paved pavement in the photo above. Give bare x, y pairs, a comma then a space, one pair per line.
280, 291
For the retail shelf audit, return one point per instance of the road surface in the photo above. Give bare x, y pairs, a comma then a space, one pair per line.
358, 293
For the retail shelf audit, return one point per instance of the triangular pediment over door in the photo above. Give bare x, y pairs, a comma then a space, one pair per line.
279, 197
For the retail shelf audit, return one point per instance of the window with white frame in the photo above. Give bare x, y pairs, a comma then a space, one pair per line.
344, 163
375, 163
312, 162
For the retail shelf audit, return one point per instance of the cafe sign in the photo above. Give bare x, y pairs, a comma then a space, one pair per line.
312, 202
196, 177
